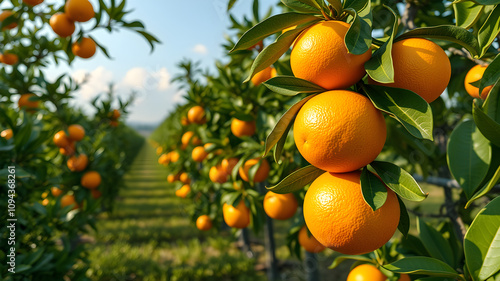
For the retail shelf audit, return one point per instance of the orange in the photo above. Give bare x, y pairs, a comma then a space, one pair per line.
8, 58
62, 25
174, 156
263, 75
68, 150
7, 134
4, 15
33, 2
184, 178
78, 164
366, 272
228, 165
183, 191
61, 139
280, 206
186, 137
339, 218
116, 114
164, 159
309, 243
159, 150
27, 103
114, 123
319, 55
339, 131
475, 74
45, 202
96, 194
172, 178
420, 66
56, 192
241, 128
216, 174
196, 140
237, 217
204, 223
79, 10
262, 171
68, 200
76, 132
85, 48
199, 154
91, 180
184, 121
197, 115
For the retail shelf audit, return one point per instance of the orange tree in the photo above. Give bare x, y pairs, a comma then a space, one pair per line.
59, 166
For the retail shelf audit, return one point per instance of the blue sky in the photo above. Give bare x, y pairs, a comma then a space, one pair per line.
187, 29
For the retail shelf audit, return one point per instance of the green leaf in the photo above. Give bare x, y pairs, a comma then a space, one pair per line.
467, 13
482, 242
282, 125
297, 180
270, 26
380, 67
404, 218
338, 260
424, 266
399, 180
374, 191
489, 31
489, 128
291, 86
449, 33
281, 143
358, 39
355, 4
491, 75
435, 243
230, 4
487, 2
486, 188
302, 6
410, 109
469, 155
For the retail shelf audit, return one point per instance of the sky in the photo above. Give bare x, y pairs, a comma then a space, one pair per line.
187, 29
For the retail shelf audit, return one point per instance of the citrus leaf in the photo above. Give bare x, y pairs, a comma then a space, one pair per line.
489, 31
411, 110
380, 67
450, 33
467, 13
338, 260
399, 180
274, 51
469, 155
404, 218
291, 86
279, 130
435, 243
278, 149
486, 188
299, 6
424, 266
487, 2
297, 180
355, 4
489, 128
482, 242
230, 4
491, 75
358, 38
373, 190
270, 26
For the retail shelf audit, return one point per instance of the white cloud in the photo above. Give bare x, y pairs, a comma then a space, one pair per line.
200, 49
178, 97
97, 81
140, 79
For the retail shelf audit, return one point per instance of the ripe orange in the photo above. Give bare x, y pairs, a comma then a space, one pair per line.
78, 164
241, 128
421, 66
114, 123
319, 55
60, 139
366, 272
68, 150
4, 15
199, 154
204, 223
68, 200
172, 178
62, 25
197, 115
339, 131
217, 174
56, 192
228, 165
45, 202
27, 103
8, 58
174, 156
262, 171
91, 180
96, 194
339, 218
309, 243
164, 159
238, 217
159, 150
280, 206
186, 137
33, 2
475, 74
79, 10
7, 134
263, 75
184, 121
76, 132
184, 178
183, 191
196, 140
85, 48
116, 114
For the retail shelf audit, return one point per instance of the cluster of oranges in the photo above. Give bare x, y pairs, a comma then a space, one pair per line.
114, 115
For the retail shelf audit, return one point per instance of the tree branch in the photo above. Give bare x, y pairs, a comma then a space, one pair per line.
408, 18
464, 53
